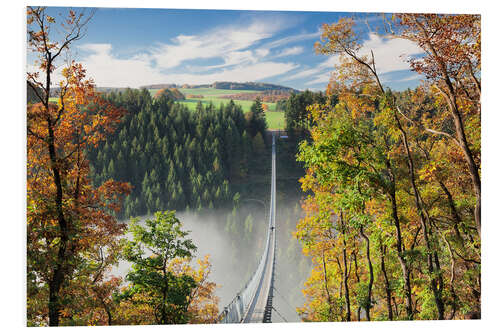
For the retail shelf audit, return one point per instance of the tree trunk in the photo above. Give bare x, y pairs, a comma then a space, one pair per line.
58, 275
326, 288
370, 269
164, 295
435, 285
399, 243
108, 312
346, 273
386, 279
358, 311
451, 100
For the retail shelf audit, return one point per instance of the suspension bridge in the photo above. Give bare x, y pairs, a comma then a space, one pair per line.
254, 303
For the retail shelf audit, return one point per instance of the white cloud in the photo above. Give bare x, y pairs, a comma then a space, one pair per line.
223, 42
109, 71
319, 71
97, 48
305, 73
290, 51
253, 72
390, 55
231, 59
262, 52
320, 78
292, 39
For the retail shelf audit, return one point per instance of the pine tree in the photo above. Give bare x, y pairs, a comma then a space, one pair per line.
248, 227
161, 148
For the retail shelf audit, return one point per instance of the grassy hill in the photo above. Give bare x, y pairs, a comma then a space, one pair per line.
275, 120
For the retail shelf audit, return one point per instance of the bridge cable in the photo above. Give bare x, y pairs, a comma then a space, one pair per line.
279, 314
283, 298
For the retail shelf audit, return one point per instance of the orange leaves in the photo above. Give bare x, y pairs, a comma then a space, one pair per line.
361, 165
92, 299
428, 171
337, 37
450, 41
69, 221
358, 104
29, 17
203, 306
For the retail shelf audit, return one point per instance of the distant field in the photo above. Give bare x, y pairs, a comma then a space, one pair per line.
213, 95
213, 92
275, 120
191, 103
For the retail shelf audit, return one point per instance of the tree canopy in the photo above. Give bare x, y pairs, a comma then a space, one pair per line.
391, 219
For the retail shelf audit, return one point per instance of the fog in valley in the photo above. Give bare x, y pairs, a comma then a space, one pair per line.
235, 256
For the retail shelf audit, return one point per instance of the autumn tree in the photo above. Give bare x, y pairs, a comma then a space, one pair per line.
172, 93
360, 71
203, 304
69, 220
452, 66
152, 250
387, 190
134, 307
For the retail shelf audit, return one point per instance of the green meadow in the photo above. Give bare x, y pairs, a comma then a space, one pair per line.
275, 120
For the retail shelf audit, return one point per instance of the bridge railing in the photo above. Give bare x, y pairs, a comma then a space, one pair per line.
235, 311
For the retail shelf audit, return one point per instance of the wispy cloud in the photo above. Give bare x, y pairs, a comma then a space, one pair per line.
108, 70
406, 76
390, 56
318, 71
226, 42
292, 39
235, 47
390, 53
290, 51
255, 72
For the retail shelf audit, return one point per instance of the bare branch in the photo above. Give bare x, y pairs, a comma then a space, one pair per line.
428, 129
35, 90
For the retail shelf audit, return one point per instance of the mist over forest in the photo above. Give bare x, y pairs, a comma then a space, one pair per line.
234, 258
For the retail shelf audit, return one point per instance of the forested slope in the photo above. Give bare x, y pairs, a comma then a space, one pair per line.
174, 158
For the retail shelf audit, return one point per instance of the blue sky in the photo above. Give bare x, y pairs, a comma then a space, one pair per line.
132, 47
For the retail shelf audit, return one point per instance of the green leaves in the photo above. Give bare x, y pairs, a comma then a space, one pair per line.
162, 236
155, 243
